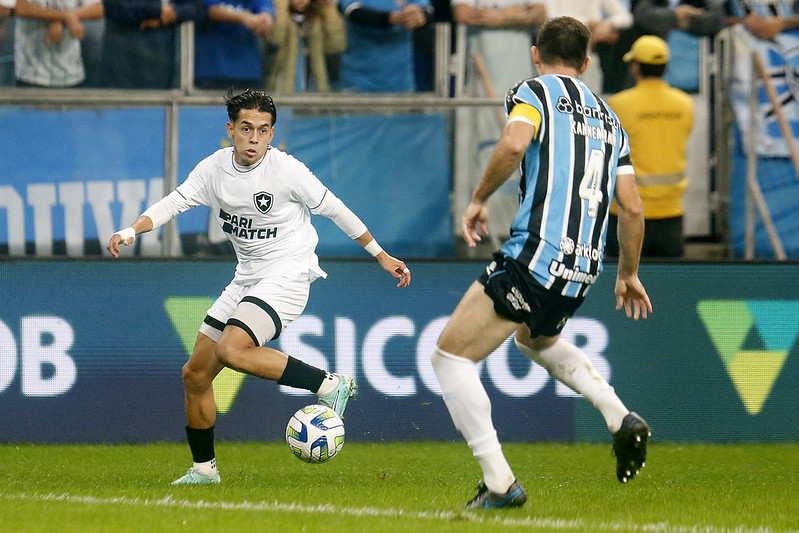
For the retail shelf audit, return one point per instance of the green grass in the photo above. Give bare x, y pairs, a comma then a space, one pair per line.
396, 487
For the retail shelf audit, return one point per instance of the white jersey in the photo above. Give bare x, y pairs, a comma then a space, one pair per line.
265, 211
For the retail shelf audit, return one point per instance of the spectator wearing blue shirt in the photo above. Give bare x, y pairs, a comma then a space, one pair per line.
139, 42
227, 49
379, 55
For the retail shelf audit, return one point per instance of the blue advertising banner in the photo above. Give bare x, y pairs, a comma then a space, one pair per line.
91, 351
107, 165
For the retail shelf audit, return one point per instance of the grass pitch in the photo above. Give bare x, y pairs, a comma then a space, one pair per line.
397, 487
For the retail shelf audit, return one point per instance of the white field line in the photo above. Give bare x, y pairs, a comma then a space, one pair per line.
479, 517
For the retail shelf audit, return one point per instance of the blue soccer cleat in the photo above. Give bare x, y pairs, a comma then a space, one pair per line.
195, 477
338, 398
485, 499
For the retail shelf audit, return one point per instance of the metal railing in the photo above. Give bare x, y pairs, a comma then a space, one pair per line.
448, 95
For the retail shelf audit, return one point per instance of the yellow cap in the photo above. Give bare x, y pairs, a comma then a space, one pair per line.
650, 50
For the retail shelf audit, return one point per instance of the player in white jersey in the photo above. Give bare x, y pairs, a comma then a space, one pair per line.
570, 146
263, 200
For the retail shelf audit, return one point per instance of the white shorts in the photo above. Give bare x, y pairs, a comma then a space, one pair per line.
262, 309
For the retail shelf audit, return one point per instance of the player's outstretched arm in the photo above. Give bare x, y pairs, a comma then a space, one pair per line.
508, 153
390, 264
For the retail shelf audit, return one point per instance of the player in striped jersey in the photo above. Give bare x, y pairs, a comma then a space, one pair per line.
573, 156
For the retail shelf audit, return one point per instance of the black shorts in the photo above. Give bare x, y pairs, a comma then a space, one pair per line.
519, 297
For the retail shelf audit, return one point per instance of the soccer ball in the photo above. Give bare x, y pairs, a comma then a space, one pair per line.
315, 434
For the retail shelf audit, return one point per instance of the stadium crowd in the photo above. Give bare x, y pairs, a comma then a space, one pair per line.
322, 45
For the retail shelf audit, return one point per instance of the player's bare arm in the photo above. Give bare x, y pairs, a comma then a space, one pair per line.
504, 161
630, 292
390, 264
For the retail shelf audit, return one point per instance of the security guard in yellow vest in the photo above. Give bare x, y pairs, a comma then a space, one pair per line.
658, 119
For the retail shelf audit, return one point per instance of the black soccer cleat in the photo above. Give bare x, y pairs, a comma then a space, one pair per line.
485, 499
629, 446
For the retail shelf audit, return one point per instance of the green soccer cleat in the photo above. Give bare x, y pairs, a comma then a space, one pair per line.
485, 499
337, 400
194, 477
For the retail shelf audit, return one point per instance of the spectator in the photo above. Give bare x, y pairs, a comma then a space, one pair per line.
658, 121
499, 39
765, 19
682, 24
305, 34
228, 48
47, 49
379, 54
605, 19
424, 45
139, 44
92, 51
500, 32
660, 17
7, 43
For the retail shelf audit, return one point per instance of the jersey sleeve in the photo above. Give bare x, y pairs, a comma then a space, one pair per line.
526, 113
522, 103
194, 189
188, 194
334, 209
305, 187
625, 165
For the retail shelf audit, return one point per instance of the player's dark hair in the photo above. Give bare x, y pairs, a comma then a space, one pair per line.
249, 99
651, 71
563, 40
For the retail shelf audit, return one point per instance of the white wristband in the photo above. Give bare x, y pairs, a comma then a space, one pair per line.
126, 234
373, 248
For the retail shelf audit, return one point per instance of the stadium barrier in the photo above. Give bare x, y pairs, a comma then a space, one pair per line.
91, 351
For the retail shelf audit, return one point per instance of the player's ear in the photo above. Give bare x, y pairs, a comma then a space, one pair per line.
536, 56
230, 130
585, 64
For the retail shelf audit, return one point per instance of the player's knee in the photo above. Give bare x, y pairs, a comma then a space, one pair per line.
229, 354
193, 378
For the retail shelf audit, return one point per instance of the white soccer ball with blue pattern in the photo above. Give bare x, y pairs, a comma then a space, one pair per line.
315, 434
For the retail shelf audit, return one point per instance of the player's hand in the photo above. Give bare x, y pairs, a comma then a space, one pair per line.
474, 219
631, 295
117, 239
396, 268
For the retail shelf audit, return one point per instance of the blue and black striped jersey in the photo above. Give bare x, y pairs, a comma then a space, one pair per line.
568, 176
764, 8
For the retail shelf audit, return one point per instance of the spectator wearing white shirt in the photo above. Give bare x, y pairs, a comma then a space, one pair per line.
47, 48
605, 19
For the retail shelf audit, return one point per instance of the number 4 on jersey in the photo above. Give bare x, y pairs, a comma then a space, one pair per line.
591, 184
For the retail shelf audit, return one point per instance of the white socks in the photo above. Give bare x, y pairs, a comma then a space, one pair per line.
470, 409
570, 365
207, 468
328, 385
